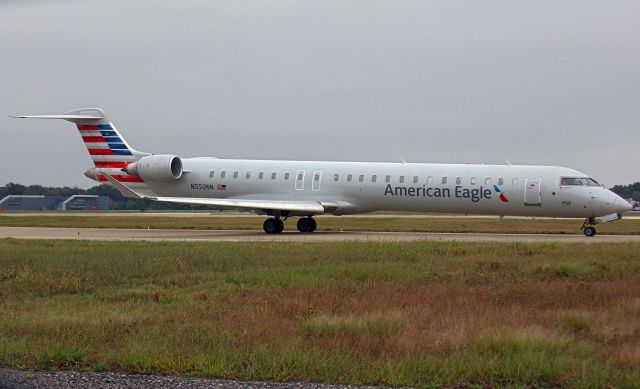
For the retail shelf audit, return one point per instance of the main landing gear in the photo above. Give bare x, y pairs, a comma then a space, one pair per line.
306, 224
275, 225
588, 227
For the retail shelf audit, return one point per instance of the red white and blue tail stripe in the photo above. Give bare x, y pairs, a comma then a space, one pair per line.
109, 151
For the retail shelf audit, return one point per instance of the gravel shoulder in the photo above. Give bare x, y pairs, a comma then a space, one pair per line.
18, 379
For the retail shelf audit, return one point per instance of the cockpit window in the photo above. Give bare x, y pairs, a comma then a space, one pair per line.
570, 181
578, 181
589, 181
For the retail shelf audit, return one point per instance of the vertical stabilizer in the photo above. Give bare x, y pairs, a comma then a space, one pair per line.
107, 148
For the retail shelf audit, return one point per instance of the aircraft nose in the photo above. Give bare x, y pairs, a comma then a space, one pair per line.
616, 204
622, 204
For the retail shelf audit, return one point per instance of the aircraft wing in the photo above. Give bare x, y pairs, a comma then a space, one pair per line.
297, 206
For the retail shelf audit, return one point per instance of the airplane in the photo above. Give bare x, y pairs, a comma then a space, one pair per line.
304, 189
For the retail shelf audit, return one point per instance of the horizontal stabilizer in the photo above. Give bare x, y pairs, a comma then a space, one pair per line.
65, 117
79, 116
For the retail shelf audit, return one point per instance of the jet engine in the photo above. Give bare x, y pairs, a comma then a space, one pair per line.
156, 168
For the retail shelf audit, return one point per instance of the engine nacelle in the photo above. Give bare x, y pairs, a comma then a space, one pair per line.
157, 168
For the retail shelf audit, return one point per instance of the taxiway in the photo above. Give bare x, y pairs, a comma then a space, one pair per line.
115, 234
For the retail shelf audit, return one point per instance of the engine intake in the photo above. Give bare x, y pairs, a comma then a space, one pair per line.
157, 168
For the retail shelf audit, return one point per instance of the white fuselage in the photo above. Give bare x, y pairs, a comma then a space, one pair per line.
306, 188
356, 187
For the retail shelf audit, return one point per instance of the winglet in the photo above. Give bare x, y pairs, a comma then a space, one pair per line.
125, 190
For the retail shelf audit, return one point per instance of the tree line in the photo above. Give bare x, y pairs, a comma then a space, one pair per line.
631, 191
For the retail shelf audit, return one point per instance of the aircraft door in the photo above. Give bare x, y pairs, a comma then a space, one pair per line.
317, 177
300, 180
532, 192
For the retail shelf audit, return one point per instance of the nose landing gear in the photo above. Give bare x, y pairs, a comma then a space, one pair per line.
588, 227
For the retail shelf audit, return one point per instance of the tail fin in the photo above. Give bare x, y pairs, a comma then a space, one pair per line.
105, 145
109, 151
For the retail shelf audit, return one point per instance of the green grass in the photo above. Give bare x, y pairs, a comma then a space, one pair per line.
400, 224
423, 314
349, 325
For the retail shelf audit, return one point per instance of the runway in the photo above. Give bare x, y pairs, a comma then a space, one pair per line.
113, 234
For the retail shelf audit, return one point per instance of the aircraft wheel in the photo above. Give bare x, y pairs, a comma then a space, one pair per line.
589, 231
272, 226
306, 224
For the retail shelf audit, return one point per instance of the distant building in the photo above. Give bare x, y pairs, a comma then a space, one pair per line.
51, 203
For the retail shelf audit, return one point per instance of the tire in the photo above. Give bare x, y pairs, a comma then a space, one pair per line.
589, 231
271, 226
312, 224
303, 225
280, 226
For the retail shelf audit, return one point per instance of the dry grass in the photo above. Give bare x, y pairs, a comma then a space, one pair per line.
417, 314
330, 223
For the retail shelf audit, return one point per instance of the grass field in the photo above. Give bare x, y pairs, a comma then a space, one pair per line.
417, 314
400, 224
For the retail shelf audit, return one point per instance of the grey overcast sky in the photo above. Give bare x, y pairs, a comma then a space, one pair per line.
535, 82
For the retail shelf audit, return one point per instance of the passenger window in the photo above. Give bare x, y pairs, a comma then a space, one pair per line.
248, 175
211, 174
273, 176
429, 180
500, 181
260, 175
487, 181
415, 179
444, 180
300, 175
458, 180
374, 178
349, 177
514, 182
336, 177
316, 177
223, 174
235, 174
570, 181
473, 180
401, 179
361, 178
286, 176
387, 179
